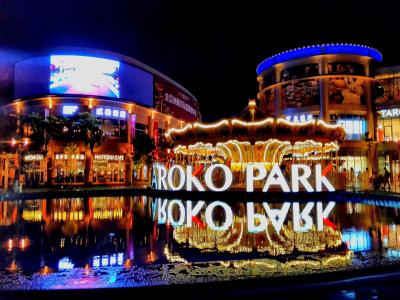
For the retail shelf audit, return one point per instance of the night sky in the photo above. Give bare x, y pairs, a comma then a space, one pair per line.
210, 47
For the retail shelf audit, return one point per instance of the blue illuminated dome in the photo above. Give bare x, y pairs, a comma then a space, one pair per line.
351, 49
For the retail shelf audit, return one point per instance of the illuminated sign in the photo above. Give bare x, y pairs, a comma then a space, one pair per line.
299, 118
109, 112
108, 157
177, 178
73, 156
302, 215
33, 157
389, 113
69, 110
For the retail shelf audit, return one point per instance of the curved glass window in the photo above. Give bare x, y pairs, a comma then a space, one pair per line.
298, 72
348, 68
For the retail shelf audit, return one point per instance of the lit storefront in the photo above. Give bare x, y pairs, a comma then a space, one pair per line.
109, 169
70, 168
132, 99
34, 169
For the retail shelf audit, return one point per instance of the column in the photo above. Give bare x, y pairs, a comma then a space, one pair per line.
324, 90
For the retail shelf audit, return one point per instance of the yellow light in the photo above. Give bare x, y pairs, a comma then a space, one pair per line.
13, 142
18, 108
258, 123
10, 244
90, 103
215, 125
178, 130
50, 102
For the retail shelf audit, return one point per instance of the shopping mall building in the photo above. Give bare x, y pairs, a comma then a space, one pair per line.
126, 95
339, 83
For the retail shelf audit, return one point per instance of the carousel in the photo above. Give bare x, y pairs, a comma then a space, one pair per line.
255, 136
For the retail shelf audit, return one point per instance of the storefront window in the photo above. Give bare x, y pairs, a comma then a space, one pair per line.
354, 125
34, 167
353, 163
388, 129
69, 168
108, 168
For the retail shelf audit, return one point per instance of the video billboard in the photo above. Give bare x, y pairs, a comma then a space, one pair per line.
171, 100
84, 75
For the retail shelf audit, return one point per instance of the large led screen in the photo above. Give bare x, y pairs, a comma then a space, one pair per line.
71, 74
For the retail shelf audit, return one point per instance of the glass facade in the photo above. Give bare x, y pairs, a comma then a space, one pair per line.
108, 171
355, 126
69, 168
388, 129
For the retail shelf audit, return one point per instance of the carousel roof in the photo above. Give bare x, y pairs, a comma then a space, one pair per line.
253, 125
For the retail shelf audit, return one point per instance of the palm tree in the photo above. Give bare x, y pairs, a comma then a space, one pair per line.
143, 147
90, 127
44, 129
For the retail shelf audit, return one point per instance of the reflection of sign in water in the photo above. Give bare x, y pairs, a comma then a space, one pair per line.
346, 90
177, 178
177, 213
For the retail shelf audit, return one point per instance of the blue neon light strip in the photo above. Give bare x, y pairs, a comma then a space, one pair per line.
318, 50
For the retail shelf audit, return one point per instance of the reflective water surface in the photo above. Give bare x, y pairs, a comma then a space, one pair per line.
99, 242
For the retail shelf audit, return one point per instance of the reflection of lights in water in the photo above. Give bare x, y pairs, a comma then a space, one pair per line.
10, 244
65, 264
393, 253
108, 260
45, 270
150, 257
23, 243
239, 240
128, 263
13, 267
173, 258
86, 269
357, 240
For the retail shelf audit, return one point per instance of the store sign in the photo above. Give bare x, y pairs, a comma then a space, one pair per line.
171, 100
108, 157
110, 112
389, 113
69, 110
299, 118
33, 157
179, 178
303, 216
72, 156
